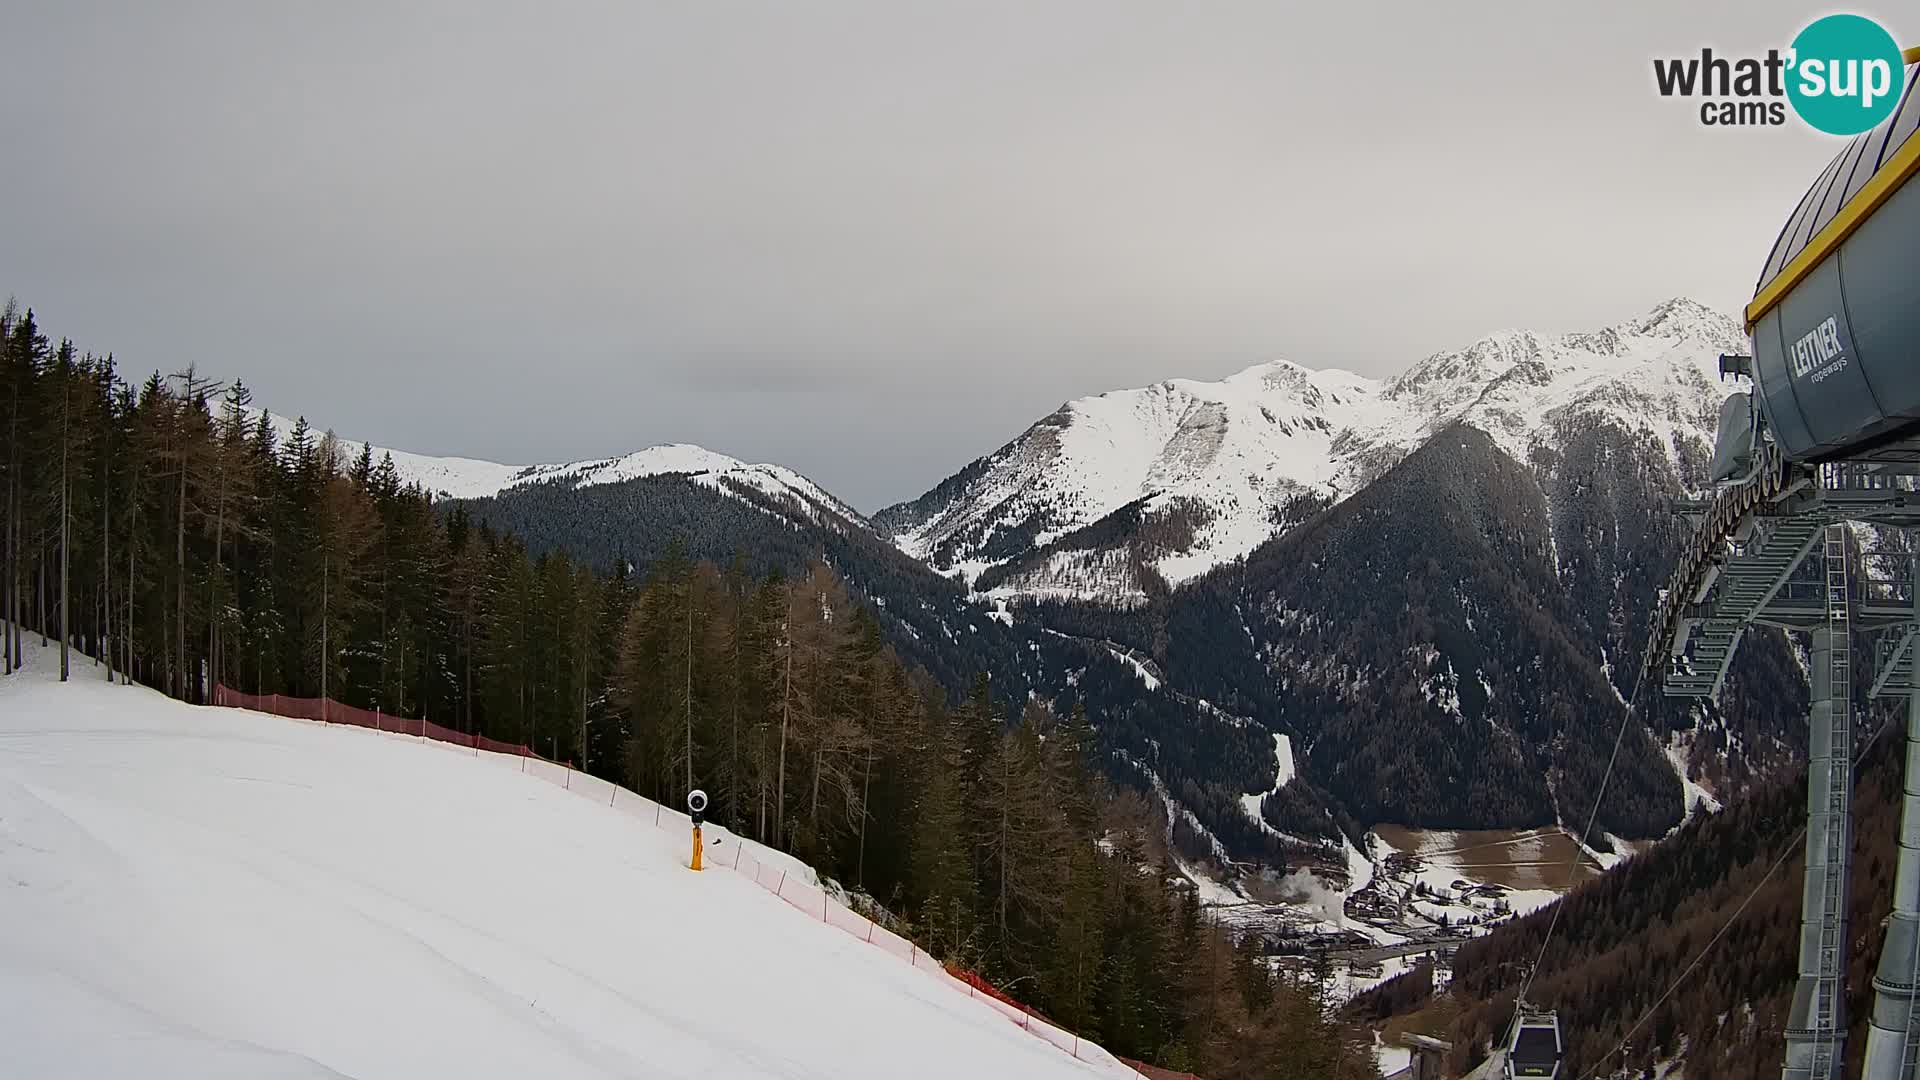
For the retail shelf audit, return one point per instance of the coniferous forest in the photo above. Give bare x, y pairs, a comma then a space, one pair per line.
159, 529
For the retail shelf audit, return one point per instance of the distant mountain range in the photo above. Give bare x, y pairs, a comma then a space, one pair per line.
1434, 585
1174, 479
1236, 459
472, 478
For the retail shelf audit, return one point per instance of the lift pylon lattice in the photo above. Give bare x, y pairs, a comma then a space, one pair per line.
1789, 560
1817, 1026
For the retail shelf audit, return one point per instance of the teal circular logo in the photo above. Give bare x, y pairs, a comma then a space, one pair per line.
1845, 74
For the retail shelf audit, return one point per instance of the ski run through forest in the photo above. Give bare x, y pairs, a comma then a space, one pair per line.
159, 531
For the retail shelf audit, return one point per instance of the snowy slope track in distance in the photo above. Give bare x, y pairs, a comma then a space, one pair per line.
215, 893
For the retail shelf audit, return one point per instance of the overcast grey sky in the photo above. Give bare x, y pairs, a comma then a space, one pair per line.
868, 240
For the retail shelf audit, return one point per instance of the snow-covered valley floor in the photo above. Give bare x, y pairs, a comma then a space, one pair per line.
210, 893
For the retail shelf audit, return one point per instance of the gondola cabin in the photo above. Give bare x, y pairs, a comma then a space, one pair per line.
1535, 1048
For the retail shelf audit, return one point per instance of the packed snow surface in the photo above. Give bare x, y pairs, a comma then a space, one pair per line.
1283, 772
1696, 797
197, 892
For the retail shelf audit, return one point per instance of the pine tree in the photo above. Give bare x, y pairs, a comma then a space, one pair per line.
608, 731
26, 354
106, 418
343, 533
193, 463
766, 681
943, 881
70, 399
233, 481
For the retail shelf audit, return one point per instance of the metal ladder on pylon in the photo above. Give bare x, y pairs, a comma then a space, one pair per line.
1832, 974
1910, 1042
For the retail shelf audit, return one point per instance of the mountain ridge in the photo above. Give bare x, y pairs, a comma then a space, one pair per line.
1207, 470
456, 477
1211, 469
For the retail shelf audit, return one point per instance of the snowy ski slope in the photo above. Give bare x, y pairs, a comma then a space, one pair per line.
211, 893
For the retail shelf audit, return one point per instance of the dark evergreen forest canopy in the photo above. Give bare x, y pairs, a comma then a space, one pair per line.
1062, 654
162, 533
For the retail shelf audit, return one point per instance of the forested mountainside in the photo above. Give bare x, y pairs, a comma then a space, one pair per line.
637, 523
669, 504
174, 534
1202, 757
1447, 651
1602, 454
1624, 939
1442, 578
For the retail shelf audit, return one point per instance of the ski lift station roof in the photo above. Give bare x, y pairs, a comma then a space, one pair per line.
1835, 318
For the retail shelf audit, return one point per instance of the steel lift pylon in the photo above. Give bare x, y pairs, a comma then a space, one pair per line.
1788, 560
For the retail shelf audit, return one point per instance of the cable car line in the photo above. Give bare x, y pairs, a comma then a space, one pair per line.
1626, 715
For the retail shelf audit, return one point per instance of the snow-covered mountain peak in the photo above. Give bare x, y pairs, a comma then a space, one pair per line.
1488, 358
1314, 387
1680, 323
1684, 318
1212, 469
470, 478
652, 461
